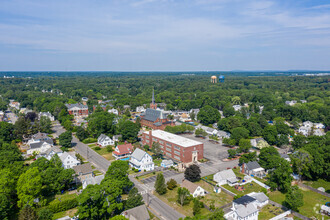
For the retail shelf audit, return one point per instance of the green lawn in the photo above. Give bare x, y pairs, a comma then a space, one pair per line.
238, 173
269, 211
247, 188
158, 162
64, 196
311, 200
70, 212
170, 198
148, 175
92, 145
219, 199
319, 183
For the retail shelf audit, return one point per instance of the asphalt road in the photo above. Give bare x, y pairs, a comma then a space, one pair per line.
161, 209
97, 160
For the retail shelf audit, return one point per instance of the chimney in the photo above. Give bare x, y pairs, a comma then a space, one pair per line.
150, 138
243, 166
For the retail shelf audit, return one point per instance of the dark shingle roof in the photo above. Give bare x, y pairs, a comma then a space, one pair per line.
83, 168
78, 105
252, 165
152, 114
244, 200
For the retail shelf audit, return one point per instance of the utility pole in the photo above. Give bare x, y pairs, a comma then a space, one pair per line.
87, 151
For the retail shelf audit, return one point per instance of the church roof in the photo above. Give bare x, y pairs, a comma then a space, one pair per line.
153, 115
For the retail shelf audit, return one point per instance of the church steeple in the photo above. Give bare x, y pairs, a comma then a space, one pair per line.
153, 104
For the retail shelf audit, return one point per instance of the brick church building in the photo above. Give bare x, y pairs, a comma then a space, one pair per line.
154, 118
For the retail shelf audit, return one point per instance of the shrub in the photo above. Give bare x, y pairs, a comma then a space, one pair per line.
63, 206
97, 148
89, 140
109, 148
171, 184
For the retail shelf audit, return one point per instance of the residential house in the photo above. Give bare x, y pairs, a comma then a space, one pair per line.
303, 101
137, 213
253, 168
39, 137
185, 117
225, 177
48, 154
113, 111
261, 199
77, 110
195, 111
325, 210
127, 107
194, 189
92, 181
286, 157
259, 143
223, 134
103, 140
305, 130
141, 160
83, 172
291, 103
69, 160
103, 106
237, 107
14, 104
243, 208
209, 131
117, 138
319, 126
140, 109
84, 99
2, 115
47, 115
308, 124
319, 132
167, 163
38, 147
123, 151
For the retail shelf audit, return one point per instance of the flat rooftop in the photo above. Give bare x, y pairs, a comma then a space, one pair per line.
173, 138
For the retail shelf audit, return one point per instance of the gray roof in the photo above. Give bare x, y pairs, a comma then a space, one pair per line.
94, 180
102, 137
243, 211
226, 174
78, 105
167, 162
137, 213
244, 200
55, 149
83, 168
40, 135
252, 165
261, 197
138, 154
284, 155
36, 145
152, 114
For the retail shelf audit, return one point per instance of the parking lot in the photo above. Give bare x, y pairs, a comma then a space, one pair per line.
167, 174
212, 151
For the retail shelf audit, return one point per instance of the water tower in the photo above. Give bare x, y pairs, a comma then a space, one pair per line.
213, 79
221, 78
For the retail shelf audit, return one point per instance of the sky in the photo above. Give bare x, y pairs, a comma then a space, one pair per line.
164, 35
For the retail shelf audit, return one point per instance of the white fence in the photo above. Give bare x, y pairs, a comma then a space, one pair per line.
280, 216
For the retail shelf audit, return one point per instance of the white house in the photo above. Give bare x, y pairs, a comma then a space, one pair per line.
308, 124
113, 111
243, 208
208, 130
291, 103
38, 147
286, 157
304, 130
47, 115
261, 199
140, 109
103, 140
319, 132
223, 134
141, 160
194, 189
92, 181
225, 177
237, 107
319, 126
14, 104
252, 168
69, 160
50, 153
167, 163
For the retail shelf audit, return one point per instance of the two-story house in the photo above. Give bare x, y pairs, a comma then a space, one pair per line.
243, 208
141, 160
103, 140
253, 168
193, 188
68, 160
83, 172
123, 151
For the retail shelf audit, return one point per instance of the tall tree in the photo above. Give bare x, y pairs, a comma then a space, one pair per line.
301, 162
27, 213
280, 177
66, 139
294, 198
160, 185
134, 199
183, 196
208, 115
268, 157
192, 173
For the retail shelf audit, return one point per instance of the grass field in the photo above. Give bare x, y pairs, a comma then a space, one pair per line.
269, 211
248, 188
319, 183
219, 199
170, 198
70, 212
148, 175
311, 200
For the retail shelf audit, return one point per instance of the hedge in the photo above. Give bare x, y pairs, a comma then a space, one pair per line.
63, 206
89, 140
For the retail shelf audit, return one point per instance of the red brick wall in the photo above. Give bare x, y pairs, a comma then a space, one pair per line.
185, 152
